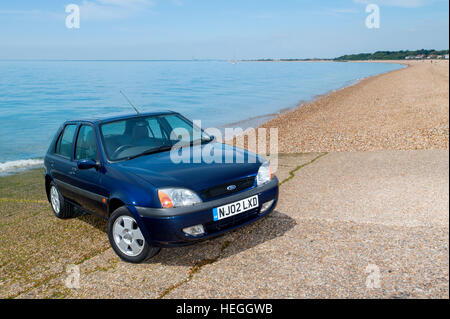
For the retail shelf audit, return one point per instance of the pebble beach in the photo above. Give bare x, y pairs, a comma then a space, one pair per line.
406, 109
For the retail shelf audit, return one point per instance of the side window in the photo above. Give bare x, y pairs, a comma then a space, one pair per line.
64, 143
86, 147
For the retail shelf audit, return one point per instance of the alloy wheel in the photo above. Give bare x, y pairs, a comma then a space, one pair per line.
127, 236
54, 198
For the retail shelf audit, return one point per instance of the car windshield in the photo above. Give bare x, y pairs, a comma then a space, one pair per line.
137, 136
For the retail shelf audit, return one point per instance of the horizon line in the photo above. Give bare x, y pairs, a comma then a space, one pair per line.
205, 59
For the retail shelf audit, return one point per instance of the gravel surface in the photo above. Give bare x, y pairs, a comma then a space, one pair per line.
35, 245
337, 215
402, 110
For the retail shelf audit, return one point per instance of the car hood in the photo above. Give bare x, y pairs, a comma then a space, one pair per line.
159, 169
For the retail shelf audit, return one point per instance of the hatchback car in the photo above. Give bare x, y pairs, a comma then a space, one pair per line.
123, 169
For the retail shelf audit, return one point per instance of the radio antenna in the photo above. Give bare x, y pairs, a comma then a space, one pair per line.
129, 102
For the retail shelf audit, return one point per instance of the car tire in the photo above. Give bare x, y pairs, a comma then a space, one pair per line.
126, 238
60, 207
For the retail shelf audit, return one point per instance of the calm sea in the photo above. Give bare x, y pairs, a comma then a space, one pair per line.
37, 96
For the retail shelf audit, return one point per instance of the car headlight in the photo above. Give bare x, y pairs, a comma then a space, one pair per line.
177, 197
264, 174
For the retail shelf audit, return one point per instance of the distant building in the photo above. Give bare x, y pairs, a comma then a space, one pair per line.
446, 56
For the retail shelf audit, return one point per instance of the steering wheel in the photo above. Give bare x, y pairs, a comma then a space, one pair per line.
120, 149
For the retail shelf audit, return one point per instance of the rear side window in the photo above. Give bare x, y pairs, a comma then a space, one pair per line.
86, 147
65, 140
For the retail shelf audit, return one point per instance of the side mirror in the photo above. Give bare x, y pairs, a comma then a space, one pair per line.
87, 164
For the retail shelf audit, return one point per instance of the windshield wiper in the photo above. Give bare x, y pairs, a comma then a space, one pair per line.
151, 151
192, 143
208, 140
201, 141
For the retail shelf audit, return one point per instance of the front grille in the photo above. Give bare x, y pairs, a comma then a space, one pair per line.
221, 190
230, 222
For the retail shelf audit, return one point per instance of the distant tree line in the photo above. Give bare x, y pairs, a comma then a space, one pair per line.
389, 55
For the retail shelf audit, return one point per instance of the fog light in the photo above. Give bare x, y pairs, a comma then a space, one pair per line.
266, 206
194, 230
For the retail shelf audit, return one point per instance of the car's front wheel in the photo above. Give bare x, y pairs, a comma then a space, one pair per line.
60, 207
126, 238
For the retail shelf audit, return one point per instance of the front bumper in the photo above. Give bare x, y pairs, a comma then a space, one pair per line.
164, 226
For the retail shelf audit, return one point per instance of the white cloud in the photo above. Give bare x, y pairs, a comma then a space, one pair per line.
125, 3
345, 11
112, 9
178, 3
33, 13
396, 3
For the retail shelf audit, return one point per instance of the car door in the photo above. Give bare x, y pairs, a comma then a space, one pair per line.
87, 182
61, 161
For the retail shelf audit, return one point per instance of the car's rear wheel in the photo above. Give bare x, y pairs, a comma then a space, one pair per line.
60, 207
126, 238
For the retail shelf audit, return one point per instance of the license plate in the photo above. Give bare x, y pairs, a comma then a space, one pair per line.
235, 208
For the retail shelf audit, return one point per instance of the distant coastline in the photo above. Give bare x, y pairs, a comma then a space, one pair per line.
422, 54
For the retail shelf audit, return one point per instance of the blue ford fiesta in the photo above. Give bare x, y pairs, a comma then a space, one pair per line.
127, 170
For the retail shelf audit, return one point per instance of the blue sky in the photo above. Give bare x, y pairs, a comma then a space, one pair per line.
225, 29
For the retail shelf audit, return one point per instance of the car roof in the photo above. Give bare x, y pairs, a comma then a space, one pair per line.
111, 118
